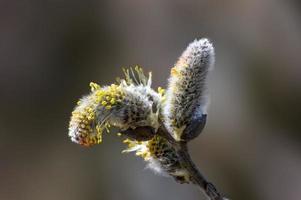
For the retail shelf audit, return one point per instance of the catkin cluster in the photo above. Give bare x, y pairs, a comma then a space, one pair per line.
131, 104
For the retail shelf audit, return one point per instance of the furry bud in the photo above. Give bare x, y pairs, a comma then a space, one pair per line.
128, 105
160, 156
186, 98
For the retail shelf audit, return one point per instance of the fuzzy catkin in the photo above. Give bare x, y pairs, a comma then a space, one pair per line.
134, 110
128, 104
161, 157
186, 97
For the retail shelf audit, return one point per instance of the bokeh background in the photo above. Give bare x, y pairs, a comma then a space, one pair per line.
50, 50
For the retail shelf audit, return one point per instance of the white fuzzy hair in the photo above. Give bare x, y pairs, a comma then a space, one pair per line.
186, 95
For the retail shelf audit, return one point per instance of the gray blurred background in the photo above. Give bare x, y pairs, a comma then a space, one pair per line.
50, 50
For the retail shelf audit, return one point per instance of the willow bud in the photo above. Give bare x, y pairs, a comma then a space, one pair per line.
186, 96
161, 157
127, 105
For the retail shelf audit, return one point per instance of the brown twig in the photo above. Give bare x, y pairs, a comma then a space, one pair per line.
187, 163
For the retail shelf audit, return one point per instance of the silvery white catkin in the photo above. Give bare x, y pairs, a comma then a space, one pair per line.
186, 96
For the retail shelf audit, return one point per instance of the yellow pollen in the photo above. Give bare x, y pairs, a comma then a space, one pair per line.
174, 72
113, 101
94, 86
108, 107
161, 91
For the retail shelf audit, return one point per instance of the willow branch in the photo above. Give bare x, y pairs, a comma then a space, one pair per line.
144, 133
187, 163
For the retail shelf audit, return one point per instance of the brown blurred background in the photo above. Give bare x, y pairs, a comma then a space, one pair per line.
50, 50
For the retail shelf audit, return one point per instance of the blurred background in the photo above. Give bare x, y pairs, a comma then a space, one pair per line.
50, 50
